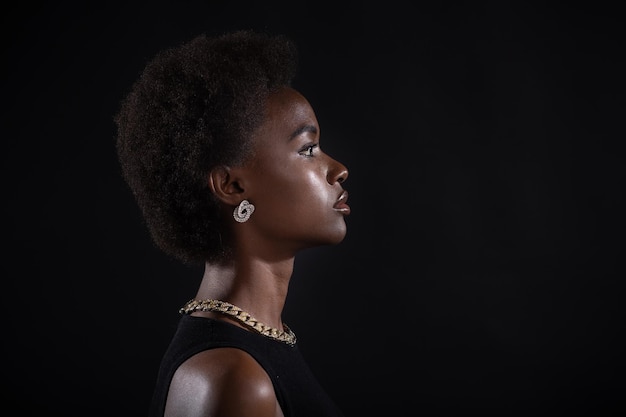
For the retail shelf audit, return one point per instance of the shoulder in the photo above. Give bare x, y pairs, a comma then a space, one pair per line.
221, 381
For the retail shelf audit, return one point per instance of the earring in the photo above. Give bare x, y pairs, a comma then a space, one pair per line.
243, 211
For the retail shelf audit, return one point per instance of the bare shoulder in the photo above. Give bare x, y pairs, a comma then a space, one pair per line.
221, 382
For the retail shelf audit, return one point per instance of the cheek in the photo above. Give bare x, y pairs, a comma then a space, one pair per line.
315, 181
304, 192
312, 188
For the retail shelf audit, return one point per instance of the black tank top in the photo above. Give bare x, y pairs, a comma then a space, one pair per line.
297, 390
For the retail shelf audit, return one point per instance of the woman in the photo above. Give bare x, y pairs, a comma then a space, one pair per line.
223, 157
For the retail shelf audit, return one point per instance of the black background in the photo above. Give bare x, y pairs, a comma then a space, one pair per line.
482, 273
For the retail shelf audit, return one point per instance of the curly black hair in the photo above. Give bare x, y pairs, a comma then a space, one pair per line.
192, 108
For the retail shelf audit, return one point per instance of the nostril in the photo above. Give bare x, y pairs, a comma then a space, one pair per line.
337, 173
342, 175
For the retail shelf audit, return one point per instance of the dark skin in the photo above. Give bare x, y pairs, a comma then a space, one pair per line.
300, 203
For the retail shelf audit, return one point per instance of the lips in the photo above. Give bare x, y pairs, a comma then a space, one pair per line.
341, 205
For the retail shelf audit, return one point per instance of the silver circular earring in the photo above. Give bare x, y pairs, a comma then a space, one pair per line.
243, 211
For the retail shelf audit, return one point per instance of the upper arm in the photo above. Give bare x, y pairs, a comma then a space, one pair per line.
221, 382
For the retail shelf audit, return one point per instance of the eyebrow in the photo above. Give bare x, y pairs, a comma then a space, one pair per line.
303, 129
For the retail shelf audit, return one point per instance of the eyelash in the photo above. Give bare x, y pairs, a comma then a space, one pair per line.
308, 151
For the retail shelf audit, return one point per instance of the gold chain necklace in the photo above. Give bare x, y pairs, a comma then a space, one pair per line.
223, 307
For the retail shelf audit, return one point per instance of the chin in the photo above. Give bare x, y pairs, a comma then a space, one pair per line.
338, 235
325, 236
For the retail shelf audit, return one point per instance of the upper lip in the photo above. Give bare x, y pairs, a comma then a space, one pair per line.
343, 197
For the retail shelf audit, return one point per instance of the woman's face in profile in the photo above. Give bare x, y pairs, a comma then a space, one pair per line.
296, 187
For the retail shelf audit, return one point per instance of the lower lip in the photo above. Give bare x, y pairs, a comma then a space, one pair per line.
343, 208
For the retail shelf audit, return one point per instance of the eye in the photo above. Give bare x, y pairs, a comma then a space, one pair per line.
308, 150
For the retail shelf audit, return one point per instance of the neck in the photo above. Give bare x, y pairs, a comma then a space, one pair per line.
257, 287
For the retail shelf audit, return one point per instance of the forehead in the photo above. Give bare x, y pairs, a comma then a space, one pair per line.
287, 111
289, 120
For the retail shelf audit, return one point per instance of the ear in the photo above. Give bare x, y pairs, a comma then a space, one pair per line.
226, 184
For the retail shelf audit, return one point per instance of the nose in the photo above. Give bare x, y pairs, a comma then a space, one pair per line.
337, 172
